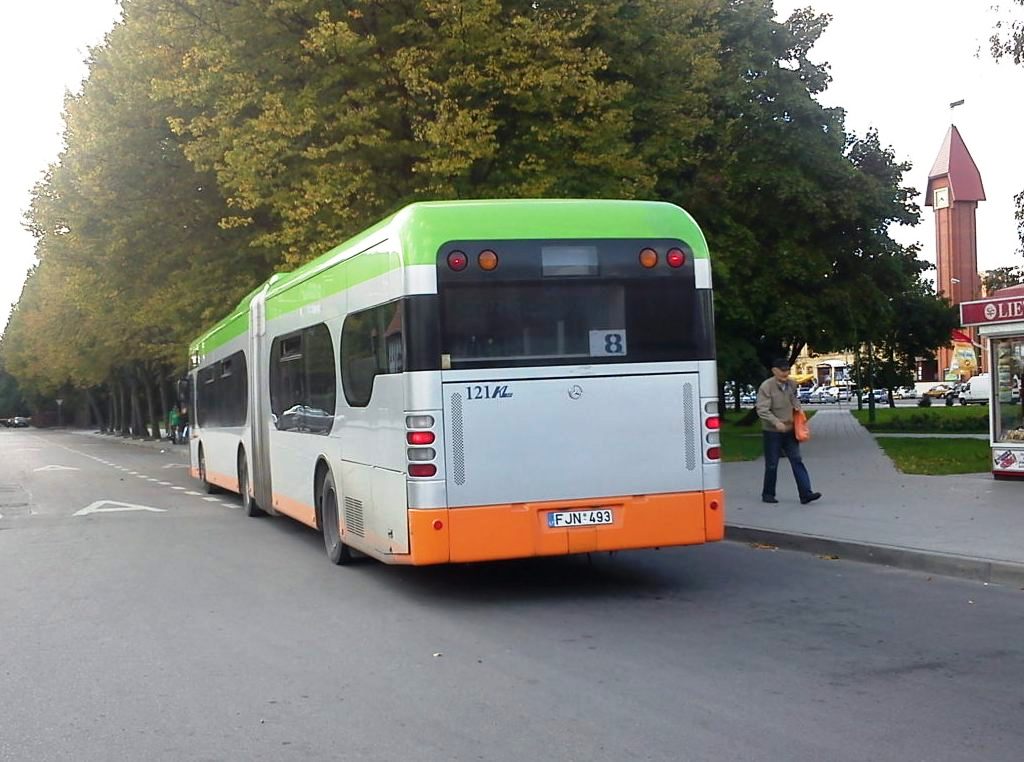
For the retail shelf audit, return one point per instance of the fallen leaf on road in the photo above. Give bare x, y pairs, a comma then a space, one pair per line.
763, 546
829, 557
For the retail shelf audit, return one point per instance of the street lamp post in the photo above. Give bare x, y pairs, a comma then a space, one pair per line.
60, 412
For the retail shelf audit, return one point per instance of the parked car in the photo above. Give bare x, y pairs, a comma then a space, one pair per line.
804, 395
939, 390
904, 393
976, 390
18, 422
821, 396
880, 395
839, 393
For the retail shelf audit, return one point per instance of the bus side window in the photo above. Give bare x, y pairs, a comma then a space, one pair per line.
371, 345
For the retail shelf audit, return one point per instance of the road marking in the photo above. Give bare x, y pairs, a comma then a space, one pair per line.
212, 499
133, 473
176, 465
55, 468
190, 492
117, 508
181, 488
165, 484
151, 479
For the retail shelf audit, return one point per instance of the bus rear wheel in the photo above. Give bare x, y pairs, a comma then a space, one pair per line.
330, 521
248, 503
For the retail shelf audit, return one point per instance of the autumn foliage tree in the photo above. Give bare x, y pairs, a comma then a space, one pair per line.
215, 142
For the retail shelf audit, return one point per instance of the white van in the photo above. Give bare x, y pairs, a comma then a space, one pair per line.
976, 390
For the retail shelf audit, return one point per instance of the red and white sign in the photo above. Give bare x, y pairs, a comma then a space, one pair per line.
986, 311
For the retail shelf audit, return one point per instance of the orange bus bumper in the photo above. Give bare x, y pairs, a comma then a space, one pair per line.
488, 533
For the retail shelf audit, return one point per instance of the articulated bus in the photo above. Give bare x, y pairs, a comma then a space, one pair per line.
476, 380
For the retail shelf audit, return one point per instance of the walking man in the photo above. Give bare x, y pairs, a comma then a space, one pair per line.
776, 401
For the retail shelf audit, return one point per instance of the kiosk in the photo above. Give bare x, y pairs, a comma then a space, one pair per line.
1000, 321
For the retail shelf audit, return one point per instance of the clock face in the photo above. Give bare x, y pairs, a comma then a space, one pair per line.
940, 199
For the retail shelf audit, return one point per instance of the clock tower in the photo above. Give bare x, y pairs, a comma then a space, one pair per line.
954, 190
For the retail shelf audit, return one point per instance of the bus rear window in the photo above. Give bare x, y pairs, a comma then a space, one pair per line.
563, 322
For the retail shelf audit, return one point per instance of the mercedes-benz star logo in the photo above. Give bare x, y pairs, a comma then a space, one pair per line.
575, 392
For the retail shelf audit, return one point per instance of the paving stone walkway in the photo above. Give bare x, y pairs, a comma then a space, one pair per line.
866, 500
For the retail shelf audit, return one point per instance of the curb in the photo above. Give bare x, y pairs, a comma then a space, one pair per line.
151, 444
929, 562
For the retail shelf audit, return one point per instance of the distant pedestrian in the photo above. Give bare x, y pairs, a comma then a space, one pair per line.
776, 401
173, 423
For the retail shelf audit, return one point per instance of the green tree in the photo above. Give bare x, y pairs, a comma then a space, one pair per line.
1002, 277
11, 401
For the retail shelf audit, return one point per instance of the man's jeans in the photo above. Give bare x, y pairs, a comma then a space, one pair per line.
776, 443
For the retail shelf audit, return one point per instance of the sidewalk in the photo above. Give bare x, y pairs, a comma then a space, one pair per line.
968, 525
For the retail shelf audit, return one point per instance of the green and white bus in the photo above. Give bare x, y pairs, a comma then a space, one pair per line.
476, 380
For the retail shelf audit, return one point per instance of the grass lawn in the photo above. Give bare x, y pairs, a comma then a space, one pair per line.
937, 419
938, 456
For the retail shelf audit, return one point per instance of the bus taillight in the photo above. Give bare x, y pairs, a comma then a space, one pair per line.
675, 258
420, 437
714, 422
422, 469
714, 453
648, 258
458, 261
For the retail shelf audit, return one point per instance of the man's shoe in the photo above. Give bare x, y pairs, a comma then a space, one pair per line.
768, 499
810, 498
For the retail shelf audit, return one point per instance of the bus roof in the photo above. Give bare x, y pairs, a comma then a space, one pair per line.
422, 228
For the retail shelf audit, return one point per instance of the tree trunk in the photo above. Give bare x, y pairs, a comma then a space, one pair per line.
147, 388
111, 409
123, 423
137, 428
97, 414
161, 385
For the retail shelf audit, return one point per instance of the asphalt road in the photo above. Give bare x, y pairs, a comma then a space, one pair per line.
195, 633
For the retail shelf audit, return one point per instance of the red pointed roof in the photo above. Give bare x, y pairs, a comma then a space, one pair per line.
954, 161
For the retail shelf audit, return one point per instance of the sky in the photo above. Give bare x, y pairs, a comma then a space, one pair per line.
896, 66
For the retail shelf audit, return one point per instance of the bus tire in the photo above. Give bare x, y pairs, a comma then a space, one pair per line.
248, 502
337, 551
211, 489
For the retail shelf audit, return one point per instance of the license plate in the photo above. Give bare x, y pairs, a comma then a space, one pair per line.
559, 519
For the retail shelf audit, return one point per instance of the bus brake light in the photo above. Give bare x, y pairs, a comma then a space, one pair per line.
714, 422
714, 453
675, 258
422, 469
457, 261
420, 437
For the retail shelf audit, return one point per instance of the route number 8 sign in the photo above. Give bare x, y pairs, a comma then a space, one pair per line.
608, 343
